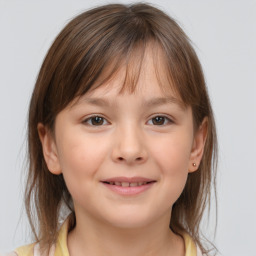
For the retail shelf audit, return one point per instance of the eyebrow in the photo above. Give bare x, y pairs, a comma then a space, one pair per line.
162, 101
148, 103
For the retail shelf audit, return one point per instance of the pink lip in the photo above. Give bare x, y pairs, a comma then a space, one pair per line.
128, 179
128, 191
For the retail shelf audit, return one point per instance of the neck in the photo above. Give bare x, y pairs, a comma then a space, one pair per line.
95, 238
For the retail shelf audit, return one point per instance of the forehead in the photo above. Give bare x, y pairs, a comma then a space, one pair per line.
142, 71
148, 82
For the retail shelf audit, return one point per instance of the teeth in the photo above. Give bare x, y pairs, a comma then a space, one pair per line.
125, 184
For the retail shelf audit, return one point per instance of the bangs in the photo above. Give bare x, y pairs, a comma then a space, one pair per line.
129, 61
131, 64
95, 46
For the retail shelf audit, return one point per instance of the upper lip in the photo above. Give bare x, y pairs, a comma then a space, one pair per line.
128, 179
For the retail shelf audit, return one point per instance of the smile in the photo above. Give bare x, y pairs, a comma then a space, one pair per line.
128, 186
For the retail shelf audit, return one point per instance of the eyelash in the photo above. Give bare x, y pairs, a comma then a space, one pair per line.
88, 120
167, 120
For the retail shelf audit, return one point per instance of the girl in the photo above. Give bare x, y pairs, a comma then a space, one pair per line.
121, 139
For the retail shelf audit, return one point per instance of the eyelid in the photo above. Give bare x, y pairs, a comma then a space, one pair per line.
170, 120
87, 118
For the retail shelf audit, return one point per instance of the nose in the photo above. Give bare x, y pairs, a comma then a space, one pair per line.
129, 147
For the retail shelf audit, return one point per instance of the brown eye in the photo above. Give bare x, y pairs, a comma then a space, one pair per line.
160, 120
95, 121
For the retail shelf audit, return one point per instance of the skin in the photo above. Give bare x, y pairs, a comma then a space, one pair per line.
128, 141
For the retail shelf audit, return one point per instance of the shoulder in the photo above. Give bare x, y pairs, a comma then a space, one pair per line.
191, 248
27, 250
60, 248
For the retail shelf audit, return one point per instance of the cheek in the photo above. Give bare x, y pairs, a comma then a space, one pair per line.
80, 159
80, 153
172, 153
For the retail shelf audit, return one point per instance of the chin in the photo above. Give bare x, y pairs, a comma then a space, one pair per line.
129, 220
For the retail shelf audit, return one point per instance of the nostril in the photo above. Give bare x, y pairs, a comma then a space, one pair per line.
138, 159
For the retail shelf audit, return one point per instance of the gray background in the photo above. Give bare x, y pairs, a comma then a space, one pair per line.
224, 34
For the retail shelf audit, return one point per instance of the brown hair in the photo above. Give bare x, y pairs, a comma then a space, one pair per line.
86, 53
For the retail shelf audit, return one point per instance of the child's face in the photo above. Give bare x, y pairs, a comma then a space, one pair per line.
146, 136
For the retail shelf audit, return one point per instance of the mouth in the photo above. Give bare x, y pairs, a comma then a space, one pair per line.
128, 186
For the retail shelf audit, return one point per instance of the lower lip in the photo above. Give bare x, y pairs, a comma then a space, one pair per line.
129, 191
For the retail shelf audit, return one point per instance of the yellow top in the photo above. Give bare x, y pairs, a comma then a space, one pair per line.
61, 248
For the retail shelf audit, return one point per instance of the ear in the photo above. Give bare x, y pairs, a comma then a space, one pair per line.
49, 149
198, 146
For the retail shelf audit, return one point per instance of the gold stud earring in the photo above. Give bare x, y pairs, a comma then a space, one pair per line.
194, 164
